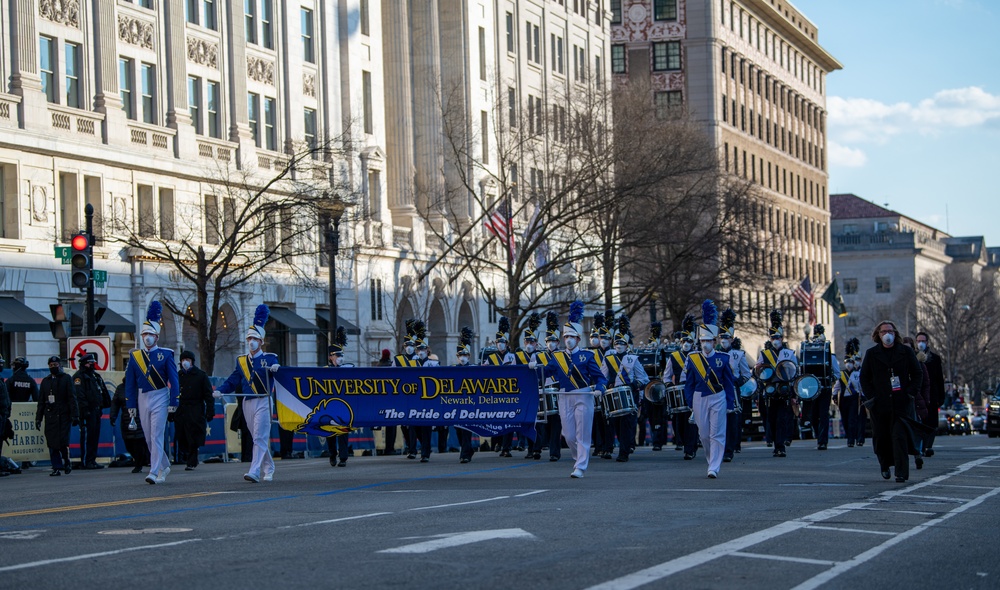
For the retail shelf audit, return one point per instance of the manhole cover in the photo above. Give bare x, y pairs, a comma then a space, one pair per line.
143, 531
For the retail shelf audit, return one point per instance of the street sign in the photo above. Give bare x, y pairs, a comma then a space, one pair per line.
99, 276
99, 345
63, 253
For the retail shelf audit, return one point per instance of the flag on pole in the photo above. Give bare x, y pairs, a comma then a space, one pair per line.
832, 296
536, 232
500, 223
804, 294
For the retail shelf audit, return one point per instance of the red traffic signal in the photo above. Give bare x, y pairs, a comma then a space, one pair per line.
80, 243
81, 261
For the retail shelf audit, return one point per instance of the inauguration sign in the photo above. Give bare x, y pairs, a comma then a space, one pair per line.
487, 401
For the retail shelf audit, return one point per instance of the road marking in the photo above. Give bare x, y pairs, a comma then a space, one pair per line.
784, 558
917, 512
104, 504
830, 485
848, 530
24, 566
21, 535
708, 490
530, 493
460, 503
153, 531
458, 539
824, 577
941, 498
946, 485
333, 520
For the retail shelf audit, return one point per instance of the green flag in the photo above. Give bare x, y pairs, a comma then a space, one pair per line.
832, 296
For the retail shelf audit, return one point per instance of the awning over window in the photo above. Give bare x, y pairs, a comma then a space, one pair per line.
295, 323
324, 314
18, 317
113, 322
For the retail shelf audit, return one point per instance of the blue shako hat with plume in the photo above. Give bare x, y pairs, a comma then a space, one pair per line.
153, 315
707, 329
259, 319
574, 327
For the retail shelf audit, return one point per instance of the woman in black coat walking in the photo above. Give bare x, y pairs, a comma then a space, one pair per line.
891, 378
57, 405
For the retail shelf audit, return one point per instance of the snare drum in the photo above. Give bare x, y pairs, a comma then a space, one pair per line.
748, 389
548, 403
675, 400
807, 387
618, 401
655, 392
763, 372
786, 370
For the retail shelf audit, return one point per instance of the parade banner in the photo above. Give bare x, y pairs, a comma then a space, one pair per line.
28, 444
487, 401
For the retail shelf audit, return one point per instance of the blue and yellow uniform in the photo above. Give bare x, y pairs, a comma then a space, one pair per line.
252, 377
151, 386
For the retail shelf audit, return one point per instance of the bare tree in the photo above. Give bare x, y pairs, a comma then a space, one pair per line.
250, 221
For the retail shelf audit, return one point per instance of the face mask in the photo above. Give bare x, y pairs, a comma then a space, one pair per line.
620, 348
707, 348
186, 365
727, 344
408, 350
149, 340
605, 343
502, 346
530, 348
850, 366
922, 346
687, 347
422, 355
570, 342
254, 344
776, 344
888, 339
88, 368
54, 370
463, 360
595, 342
552, 346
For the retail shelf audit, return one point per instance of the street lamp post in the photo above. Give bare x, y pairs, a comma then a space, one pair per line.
335, 208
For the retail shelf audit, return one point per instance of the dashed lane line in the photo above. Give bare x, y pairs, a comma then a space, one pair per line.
784, 558
44, 562
817, 527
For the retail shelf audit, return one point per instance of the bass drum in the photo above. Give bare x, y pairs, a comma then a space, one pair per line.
807, 387
655, 392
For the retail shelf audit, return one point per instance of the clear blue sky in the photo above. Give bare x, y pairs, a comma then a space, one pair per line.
914, 116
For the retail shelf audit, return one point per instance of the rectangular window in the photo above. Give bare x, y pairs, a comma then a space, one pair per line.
250, 20
365, 19
882, 285
69, 205
665, 9
47, 66
271, 124
208, 14
618, 59
148, 82
212, 114
484, 129
267, 24
531, 114
482, 53
308, 49
146, 208
616, 12
512, 107
211, 219
666, 56
125, 86
166, 213
366, 91
73, 75
191, 11
537, 42
376, 291
511, 43
666, 102
194, 103
253, 115
310, 129
598, 72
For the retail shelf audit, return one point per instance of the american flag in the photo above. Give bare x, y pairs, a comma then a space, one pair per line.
500, 223
804, 294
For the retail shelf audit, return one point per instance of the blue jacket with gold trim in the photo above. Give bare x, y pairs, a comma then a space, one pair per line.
261, 361
160, 359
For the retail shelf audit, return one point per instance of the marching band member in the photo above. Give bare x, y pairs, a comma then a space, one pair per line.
604, 431
709, 374
779, 410
624, 368
741, 372
848, 397
151, 386
579, 373
463, 355
405, 359
820, 411
338, 446
421, 433
553, 424
648, 411
528, 356
502, 356
252, 376
685, 434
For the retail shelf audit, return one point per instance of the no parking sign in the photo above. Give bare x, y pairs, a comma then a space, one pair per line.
99, 346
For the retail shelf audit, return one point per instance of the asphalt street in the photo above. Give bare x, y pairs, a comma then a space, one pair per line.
814, 519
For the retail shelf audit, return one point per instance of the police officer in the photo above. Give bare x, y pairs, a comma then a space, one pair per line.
90, 396
57, 405
338, 446
195, 409
463, 356
624, 369
779, 409
20, 386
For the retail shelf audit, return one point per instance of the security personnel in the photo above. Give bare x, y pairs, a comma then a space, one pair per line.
741, 372
463, 356
57, 405
90, 395
253, 375
422, 433
552, 427
624, 369
151, 387
195, 409
779, 408
502, 356
338, 446
685, 433
820, 411
709, 376
847, 396
20, 386
579, 374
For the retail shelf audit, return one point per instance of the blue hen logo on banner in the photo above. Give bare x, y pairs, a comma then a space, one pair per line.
487, 401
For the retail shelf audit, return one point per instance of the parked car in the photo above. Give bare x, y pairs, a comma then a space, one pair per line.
993, 417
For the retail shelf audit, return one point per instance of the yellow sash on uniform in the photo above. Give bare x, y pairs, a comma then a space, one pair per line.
522, 357
251, 377
494, 359
707, 375
613, 361
141, 358
562, 359
769, 355
402, 361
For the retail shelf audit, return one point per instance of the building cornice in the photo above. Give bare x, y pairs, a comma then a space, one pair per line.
779, 22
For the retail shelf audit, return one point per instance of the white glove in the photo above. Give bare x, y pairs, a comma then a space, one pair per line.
532, 364
273, 368
216, 394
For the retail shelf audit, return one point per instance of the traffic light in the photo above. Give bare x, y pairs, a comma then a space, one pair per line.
82, 261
